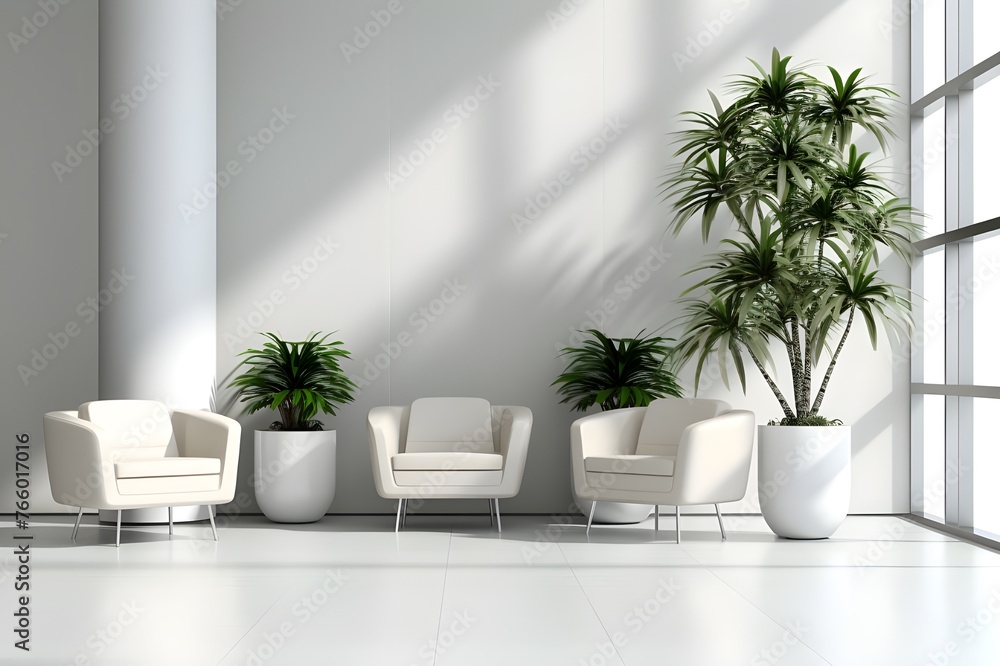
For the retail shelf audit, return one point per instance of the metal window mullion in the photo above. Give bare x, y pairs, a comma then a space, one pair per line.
952, 31
951, 221
917, 490
966, 301
965, 25
952, 418
917, 54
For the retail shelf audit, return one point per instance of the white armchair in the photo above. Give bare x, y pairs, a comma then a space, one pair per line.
675, 452
448, 448
134, 454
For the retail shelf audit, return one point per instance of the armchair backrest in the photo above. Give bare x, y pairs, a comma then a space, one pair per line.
666, 419
135, 429
450, 424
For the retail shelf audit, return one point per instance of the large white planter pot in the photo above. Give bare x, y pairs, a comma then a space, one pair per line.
295, 474
614, 513
804, 479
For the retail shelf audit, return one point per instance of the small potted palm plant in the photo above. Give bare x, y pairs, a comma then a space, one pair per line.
295, 460
616, 373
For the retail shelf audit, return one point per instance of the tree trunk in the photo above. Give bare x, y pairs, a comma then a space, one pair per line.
833, 362
774, 387
800, 388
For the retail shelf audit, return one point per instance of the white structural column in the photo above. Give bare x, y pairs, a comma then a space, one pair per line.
157, 266
157, 90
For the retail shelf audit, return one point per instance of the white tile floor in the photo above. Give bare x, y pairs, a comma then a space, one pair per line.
449, 591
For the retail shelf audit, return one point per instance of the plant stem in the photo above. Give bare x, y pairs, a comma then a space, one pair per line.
774, 387
833, 362
798, 379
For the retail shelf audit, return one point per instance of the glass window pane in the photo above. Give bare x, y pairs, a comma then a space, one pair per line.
929, 314
986, 465
985, 36
983, 289
986, 131
927, 176
931, 496
932, 13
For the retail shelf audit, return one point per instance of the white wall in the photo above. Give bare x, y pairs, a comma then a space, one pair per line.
338, 126
310, 136
48, 225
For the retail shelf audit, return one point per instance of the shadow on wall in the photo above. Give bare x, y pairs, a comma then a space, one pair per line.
533, 246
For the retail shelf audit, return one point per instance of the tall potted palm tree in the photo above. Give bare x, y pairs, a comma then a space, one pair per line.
295, 469
812, 218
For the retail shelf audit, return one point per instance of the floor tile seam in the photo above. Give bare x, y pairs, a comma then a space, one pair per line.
768, 616
444, 592
590, 602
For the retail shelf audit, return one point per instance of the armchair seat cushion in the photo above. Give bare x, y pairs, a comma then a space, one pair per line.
447, 461
643, 483
645, 465
135, 469
425, 478
169, 485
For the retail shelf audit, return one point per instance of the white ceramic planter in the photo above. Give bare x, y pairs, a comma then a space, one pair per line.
804, 479
614, 513
295, 474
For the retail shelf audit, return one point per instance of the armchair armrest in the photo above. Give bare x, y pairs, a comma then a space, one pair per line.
202, 434
385, 427
612, 433
515, 434
79, 474
713, 459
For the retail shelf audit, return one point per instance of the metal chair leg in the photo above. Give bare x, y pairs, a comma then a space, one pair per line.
656, 520
496, 503
491, 511
590, 520
76, 527
118, 531
718, 512
170, 519
211, 519
405, 502
677, 519
399, 512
